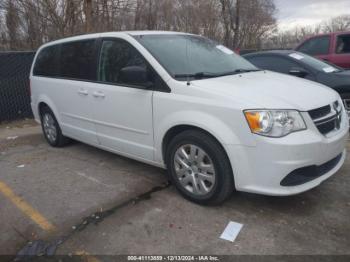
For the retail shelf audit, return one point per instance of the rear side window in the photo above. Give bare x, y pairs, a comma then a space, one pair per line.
343, 44
46, 62
78, 60
273, 63
316, 46
115, 55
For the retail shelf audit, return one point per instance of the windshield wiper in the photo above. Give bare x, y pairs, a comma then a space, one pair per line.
239, 71
198, 75
201, 75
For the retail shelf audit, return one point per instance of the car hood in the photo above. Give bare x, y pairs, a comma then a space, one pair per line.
265, 89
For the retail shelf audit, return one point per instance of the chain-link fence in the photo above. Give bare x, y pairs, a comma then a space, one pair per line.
14, 85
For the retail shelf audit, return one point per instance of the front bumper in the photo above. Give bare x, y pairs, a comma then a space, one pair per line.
262, 168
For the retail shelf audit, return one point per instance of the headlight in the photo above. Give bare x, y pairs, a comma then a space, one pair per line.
274, 123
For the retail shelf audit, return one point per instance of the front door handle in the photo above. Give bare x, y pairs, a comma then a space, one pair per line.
83, 92
98, 94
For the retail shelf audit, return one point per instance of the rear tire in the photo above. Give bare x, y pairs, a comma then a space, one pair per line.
51, 128
199, 168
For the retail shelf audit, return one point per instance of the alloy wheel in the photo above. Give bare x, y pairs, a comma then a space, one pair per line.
50, 127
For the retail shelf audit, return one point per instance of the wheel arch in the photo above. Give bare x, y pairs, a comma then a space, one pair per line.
177, 129
41, 106
45, 101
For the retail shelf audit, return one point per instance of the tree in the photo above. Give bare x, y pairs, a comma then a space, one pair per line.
292, 37
247, 22
12, 25
88, 15
26, 24
340, 23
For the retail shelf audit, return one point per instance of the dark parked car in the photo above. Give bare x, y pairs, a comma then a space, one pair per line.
305, 66
333, 47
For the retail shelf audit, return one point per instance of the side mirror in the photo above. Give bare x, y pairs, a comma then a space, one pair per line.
135, 75
299, 72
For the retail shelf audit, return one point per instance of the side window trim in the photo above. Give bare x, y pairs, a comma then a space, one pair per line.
165, 88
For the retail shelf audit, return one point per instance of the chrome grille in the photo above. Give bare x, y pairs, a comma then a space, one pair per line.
327, 118
320, 112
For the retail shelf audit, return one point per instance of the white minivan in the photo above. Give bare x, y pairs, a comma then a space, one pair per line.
186, 103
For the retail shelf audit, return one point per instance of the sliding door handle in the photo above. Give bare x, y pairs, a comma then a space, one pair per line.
98, 94
83, 92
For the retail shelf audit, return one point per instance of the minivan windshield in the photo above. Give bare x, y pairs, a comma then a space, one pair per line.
195, 57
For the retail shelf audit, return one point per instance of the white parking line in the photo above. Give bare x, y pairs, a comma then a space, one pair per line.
92, 179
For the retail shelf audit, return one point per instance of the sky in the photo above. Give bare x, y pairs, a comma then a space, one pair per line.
293, 13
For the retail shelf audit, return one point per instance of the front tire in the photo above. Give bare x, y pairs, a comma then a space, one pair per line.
199, 168
51, 128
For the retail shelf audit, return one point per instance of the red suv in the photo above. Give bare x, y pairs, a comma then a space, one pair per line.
334, 48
